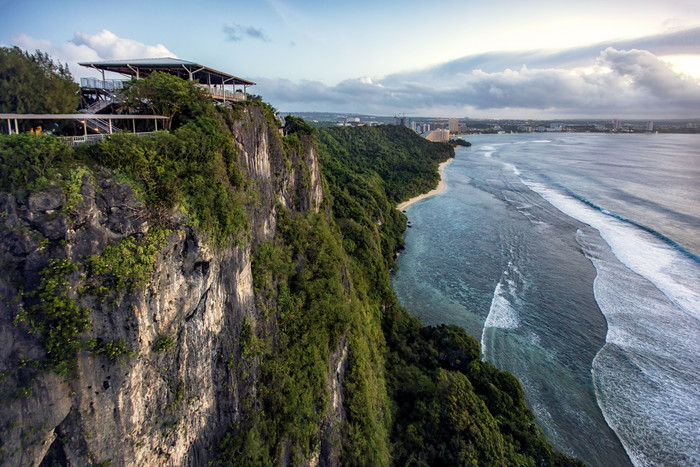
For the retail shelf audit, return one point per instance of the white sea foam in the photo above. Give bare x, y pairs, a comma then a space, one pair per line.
511, 167
667, 268
649, 370
501, 314
488, 150
647, 376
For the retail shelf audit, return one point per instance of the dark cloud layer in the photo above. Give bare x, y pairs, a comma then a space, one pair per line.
627, 79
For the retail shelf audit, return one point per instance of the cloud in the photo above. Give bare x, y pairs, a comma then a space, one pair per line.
236, 32
631, 83
653, 75
111, 47
594, 81
88, 48
675, 43
68, 52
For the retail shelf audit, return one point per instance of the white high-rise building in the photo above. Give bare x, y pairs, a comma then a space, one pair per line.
454, 125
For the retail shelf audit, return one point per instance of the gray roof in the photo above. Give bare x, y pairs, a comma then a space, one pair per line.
174, 66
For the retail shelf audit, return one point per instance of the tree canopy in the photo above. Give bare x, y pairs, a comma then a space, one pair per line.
165, 94
34, 83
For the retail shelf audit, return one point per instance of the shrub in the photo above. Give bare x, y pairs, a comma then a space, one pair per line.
57, 318
29, 162
112, 349
164, 343
126, 264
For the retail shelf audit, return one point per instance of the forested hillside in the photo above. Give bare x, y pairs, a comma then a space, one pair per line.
448, 406
219, 293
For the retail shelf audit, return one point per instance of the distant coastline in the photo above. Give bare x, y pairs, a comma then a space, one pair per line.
439, 189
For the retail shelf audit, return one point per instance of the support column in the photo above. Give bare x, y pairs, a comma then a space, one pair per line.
135, 70
110, 126
9, 127
16, 127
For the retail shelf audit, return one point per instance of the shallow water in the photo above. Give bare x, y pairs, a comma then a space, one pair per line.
574, 260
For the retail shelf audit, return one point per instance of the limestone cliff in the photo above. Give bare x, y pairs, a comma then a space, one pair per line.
174, 381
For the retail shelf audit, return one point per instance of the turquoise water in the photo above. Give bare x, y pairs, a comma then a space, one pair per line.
574, 260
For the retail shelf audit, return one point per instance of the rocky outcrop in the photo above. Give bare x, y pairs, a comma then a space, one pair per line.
332, 434
178, 387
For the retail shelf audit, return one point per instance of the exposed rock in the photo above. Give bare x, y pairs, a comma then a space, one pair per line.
46, 200
332, 431
153, 407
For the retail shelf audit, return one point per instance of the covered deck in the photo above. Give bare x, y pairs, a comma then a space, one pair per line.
101, 124
221, 86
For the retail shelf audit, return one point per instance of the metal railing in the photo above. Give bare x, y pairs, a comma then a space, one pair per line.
91, 139
96, 106
107, 84
219, 93
116, 84
98, 124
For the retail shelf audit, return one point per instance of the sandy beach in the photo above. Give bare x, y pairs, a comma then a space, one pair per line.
440, 188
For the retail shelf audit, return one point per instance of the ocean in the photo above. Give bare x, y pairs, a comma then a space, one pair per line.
575, 260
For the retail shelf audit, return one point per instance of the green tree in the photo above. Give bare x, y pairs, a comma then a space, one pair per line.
294, 124
33, 83
167, 95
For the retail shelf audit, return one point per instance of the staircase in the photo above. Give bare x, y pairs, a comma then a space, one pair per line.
105, 93
96, 106
98, 125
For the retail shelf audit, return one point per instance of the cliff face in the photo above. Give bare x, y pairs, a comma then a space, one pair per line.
179, 381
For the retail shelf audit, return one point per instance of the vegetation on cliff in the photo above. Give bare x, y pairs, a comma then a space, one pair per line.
33, 83
405, 163
448, 406
192, 169
410, 395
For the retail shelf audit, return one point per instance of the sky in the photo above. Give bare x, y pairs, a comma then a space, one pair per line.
445, 58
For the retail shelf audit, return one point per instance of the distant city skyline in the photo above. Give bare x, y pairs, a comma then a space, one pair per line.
507, 59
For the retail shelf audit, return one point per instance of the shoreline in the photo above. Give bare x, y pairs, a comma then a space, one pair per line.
439, 189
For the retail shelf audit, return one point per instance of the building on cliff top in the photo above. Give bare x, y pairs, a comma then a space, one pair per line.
223, 87
100, 101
